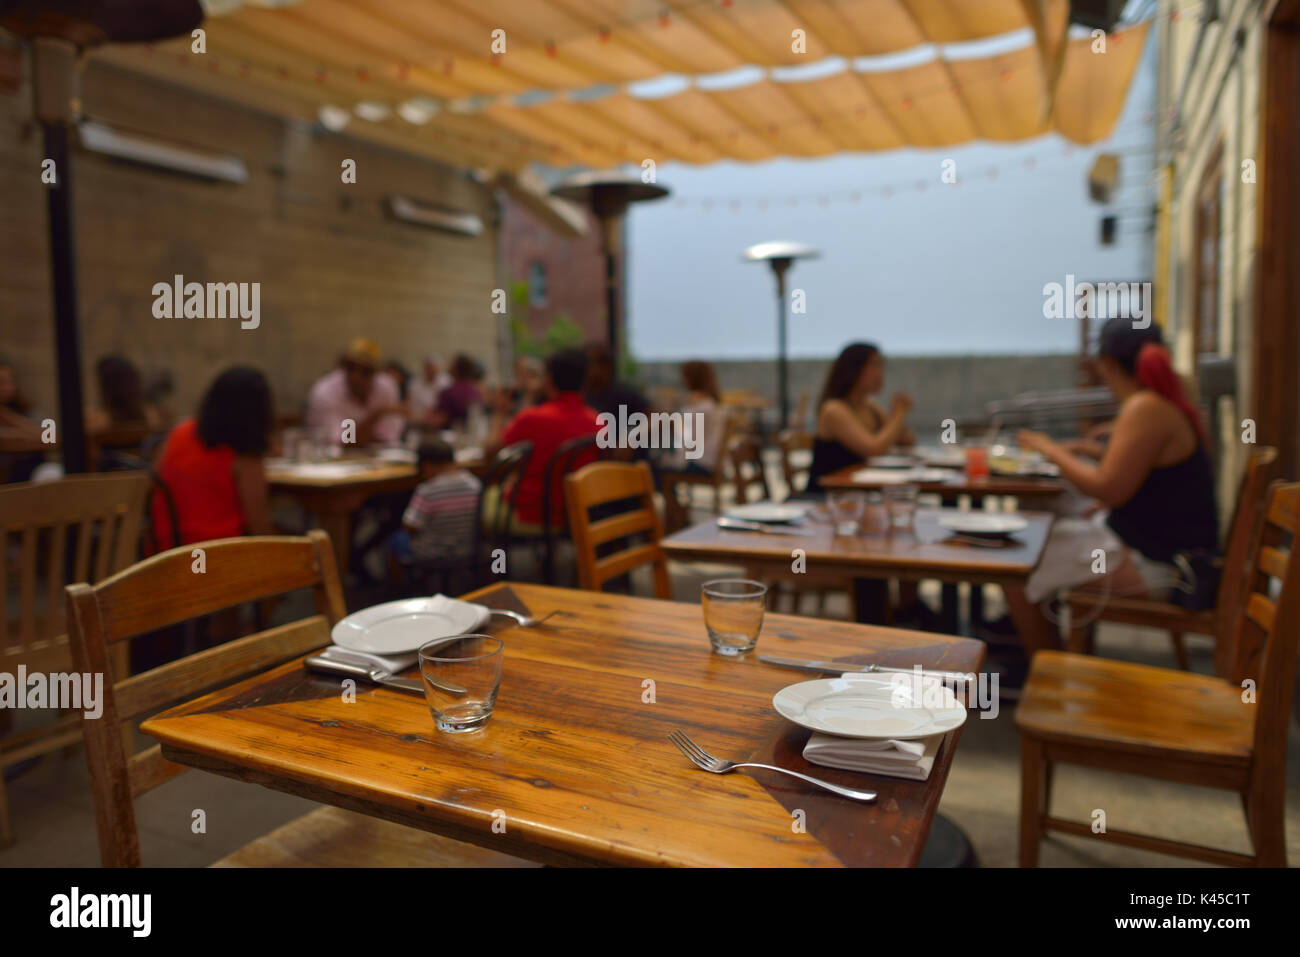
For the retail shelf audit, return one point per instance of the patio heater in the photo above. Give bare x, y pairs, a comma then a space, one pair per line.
608, 195
59, 32
780, 256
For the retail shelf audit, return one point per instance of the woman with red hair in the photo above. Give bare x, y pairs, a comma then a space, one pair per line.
1153, 477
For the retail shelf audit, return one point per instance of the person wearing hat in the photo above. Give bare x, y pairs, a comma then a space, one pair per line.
359, 392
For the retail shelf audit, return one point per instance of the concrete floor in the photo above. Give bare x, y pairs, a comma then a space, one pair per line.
54, 818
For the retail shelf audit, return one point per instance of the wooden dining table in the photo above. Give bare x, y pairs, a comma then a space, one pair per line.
1035, 489
575, 765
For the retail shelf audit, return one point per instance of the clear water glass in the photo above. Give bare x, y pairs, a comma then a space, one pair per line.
900, 503
846, 510
474, 663
733, 613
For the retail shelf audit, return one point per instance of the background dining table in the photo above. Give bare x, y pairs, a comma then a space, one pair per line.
575, 765
1037, 489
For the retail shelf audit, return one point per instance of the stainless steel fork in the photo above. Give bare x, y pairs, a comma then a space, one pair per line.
702, 759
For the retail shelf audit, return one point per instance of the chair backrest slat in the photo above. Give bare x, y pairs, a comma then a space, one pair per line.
105, 510
598, 484
1267, 633
186, 677
1247, 517
164, 590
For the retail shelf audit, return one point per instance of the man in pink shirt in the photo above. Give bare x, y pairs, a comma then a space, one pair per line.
358, 391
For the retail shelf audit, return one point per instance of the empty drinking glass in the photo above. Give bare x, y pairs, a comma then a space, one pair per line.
733, 613
472, 662
900, 502
846, 510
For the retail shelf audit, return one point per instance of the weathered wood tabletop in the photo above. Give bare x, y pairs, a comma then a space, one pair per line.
575, 765
927, 551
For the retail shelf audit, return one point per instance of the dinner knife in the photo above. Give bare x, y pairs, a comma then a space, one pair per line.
376, 676
738, 525
839, 667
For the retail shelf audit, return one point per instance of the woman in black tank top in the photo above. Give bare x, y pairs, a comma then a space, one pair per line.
850, 426
1156, 509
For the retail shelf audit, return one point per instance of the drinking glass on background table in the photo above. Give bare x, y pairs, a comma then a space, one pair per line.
846, 509
474, 663
977, 461
733, 613
900, 503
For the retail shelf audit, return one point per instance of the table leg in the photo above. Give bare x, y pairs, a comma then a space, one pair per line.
947, 846
871, 598
338, 525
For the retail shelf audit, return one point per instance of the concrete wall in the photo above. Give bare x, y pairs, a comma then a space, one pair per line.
331, 266
941, 386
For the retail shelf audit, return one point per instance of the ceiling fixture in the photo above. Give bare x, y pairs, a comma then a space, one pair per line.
372, 111
333, 118
418, 111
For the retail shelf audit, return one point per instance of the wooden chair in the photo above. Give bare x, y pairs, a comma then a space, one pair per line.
162, 591
598, 484
790, 442
746, 452
1176, 726
81, 528
1088, 608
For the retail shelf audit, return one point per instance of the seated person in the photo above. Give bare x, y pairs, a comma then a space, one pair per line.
851, 426
438, 524
422, 392
121, 398
530, 382
455, 401
358, 391
1154, 476
563, 416
702, 399
212, 464
20, 426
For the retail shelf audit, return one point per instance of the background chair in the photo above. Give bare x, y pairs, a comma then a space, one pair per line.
1089, 608
602, 483
555, 528
74, 529
162, 591
796, 459
1227, 731
677, 513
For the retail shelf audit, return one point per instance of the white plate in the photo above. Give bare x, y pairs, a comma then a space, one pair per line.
892, 462
871, 706
769, 512
878, 476
400, 627
983, 523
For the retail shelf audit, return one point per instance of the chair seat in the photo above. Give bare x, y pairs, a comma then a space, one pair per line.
332, 837
1152, 714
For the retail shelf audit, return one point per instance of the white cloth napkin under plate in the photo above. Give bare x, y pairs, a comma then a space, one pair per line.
396, 663
896, 759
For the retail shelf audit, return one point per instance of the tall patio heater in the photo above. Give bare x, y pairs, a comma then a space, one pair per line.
780, 255
608, 195
59, 32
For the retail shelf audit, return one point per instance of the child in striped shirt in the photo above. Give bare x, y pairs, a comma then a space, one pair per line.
439, 521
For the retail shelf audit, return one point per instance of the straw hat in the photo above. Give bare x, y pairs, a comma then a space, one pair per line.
364, 352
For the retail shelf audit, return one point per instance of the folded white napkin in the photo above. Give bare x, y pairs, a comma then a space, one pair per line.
896, 759
400, 662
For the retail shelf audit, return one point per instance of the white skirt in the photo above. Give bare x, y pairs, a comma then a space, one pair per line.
1082, 551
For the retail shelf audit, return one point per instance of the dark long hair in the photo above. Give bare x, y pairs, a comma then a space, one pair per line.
120, 389
236, 412
698, 376
1142, 354
846, 369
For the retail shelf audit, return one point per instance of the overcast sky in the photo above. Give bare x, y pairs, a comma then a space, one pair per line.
944, 270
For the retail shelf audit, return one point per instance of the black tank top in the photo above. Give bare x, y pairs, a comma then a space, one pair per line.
1172, 511
828, 456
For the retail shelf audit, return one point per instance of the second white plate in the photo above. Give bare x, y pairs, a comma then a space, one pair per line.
871, 706
769, 512
983, 523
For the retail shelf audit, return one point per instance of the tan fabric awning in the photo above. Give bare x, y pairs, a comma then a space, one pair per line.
560, 93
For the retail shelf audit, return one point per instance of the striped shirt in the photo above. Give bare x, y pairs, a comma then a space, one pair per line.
442, 513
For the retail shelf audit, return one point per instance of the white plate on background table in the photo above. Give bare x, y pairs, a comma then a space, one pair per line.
400, 627
876, 476
872, 706
987, 524
770, 511
892, 462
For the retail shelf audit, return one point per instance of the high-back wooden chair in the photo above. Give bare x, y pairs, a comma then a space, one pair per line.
747, 466
164, 590
1086, 608
791, 443
677, 513
601, 483
81, 528
1225, 731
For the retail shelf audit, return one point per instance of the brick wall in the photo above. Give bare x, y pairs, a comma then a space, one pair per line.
331, 266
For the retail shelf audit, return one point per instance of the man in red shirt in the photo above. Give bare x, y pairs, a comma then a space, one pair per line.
564, 415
